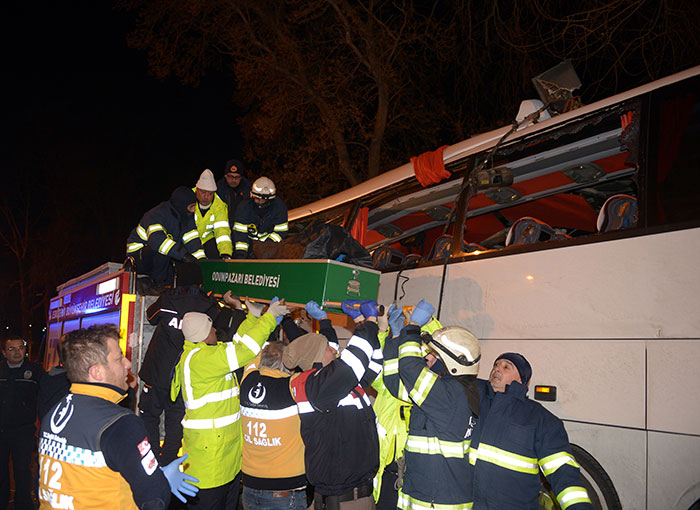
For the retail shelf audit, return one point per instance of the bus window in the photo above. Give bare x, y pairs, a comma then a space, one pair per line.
104, 318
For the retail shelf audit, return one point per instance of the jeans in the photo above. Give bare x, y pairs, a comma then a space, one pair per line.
258, 499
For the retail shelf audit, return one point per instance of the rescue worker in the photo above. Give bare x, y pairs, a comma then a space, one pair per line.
514, 440
442, 387
211, 217
92, 452
212, 431
272, 472
260, 219
337, 420
165, 234
19, 386
233, 188
162, 355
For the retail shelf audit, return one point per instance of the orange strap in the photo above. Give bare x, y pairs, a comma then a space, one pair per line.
429, 167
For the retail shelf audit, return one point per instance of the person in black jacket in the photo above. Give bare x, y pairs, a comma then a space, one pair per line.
337, 420
165, 234
19, 385
260, 222
233, 188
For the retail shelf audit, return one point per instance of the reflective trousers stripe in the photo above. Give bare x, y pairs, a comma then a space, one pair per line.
406, 502
211, 423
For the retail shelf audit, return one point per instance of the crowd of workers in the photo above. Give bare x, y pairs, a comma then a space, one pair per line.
396, 418
215, 219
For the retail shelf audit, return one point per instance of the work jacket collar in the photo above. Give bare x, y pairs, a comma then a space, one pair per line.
513, 390
104, 391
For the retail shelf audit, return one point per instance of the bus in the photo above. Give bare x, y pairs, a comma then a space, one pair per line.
586, 260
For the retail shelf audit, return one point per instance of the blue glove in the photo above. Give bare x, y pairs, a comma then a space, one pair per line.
314, 310
180, 483
354, 313
422, 313
396, 319
341, 257
368, 308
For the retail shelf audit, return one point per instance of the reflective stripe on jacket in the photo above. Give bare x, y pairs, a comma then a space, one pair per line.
255, 223
212, 431
213, 223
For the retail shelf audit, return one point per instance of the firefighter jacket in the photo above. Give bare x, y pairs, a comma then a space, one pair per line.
233, 196
514, 440
273, 451
392, 413
19, 388
165, 345
337, 420
213, 224
211, 427
440, 427
166, 232
95, 454
254, 223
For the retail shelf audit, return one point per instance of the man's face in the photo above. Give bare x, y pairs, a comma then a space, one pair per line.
260, 202
430, 359
502, 374
233, 179
204, 197
211, 339
14, 351
116, 370
329, 356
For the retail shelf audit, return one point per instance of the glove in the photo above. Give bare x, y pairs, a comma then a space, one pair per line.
341, 257
355, 312
396, 319
226, 256
422, 313
188, 258
368, 308
180, 483
314, 311
278, 309
383, 322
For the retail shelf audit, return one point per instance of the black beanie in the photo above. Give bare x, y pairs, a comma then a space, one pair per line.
523, 366
181, 198
240, 167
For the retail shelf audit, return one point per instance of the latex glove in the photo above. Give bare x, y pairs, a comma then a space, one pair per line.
383, 321
341, 257
314, 311
396, 319
368, 308
278, 309
254, 308
180, 483
422, 313
350, 308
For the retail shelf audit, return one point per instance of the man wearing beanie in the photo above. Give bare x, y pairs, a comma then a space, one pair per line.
165, 233
211, 427
337, 420
211, 217
514, 439
233, 188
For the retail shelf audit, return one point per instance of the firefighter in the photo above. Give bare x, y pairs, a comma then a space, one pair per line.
514, 440
442, 387
211, 217
165, 234
261, 222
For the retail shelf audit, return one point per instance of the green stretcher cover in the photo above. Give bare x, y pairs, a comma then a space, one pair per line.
297, 281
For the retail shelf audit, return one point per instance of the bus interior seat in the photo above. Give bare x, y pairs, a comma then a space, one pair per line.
413, 259
528, 230
385, 257
443, 245
618, 212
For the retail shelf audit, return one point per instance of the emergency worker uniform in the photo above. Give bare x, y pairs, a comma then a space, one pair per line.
159, 363
232, 197
337, 421
213, 228
437, 463
18, 410
212, 429
164, 233
256, 223
95, 454
514, 440
273, 451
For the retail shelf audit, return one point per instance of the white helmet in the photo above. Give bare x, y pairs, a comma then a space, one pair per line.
263, 188
458, 349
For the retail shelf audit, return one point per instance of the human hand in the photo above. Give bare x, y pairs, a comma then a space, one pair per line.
368, 308
422, 313
232, 301
180, 483
278, 309
383, 321
396, 319
351, 307
315, 311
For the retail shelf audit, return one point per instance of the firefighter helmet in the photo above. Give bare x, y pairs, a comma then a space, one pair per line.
263, 188
458, 349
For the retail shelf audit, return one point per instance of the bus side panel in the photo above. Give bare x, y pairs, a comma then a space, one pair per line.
422, 283
640, 287
674, 471
621, 453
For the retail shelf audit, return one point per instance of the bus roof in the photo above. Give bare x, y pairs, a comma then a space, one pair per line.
477, 144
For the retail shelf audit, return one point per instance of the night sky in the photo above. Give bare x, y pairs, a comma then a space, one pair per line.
81, 110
